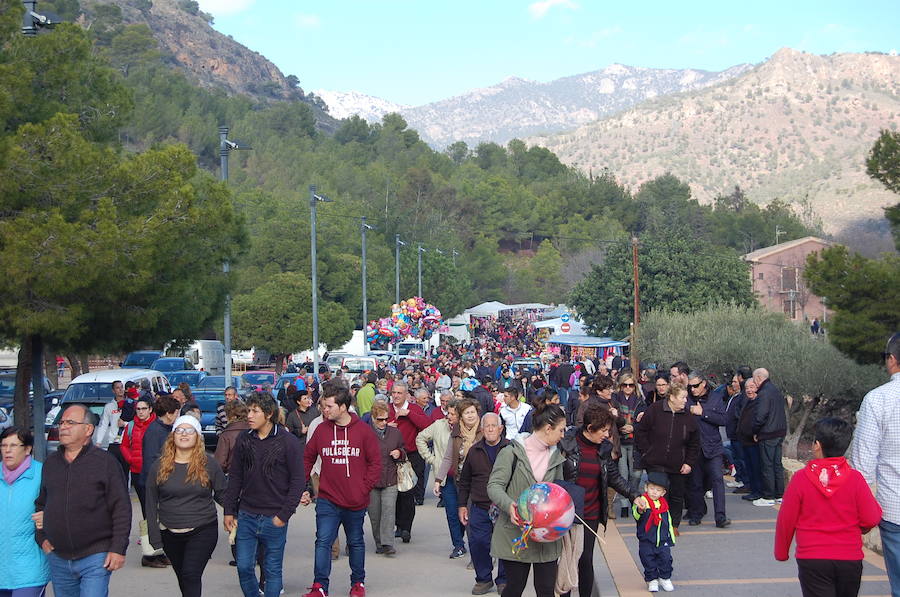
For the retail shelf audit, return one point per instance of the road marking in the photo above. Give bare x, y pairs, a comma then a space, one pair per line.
753, 581
687, 533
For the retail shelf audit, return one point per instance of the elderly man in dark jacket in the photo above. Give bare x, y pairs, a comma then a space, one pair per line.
472, 488
709, 408
769, 427
668, 439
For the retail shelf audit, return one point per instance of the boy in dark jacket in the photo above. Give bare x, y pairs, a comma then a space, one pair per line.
655, 533
830, 507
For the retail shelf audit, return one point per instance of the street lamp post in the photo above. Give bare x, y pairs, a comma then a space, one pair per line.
313, 199
397, 244
420, 251
365, 307
225, 147
32, 21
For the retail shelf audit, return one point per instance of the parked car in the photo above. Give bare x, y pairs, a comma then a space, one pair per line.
205, 355
384, 356
258, 378
94, 389
166, 364
193, 377
8, 388
140, 359
208, 407
531, 364
294, 378
336, 359
357, 365
6, 418
213, 388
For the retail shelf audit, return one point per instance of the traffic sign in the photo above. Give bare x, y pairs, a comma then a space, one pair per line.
565, 328
565, 317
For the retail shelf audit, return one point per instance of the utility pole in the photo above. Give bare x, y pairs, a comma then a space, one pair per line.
225, 147
397, 244
421, 250
635, 359
313, 199
778, 233
365, 311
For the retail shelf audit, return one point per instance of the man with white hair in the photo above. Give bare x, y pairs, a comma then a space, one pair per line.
472, 488
769, 430
875, 452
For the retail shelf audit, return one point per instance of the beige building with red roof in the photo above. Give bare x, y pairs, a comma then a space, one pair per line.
776, 276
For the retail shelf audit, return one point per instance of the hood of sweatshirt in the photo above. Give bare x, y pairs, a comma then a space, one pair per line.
828, 475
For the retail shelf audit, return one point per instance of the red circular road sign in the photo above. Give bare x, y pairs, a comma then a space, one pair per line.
565, 328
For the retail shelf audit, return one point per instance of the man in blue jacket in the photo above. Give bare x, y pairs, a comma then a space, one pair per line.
709, 408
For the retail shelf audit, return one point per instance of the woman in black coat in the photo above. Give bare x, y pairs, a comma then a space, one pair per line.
668, 439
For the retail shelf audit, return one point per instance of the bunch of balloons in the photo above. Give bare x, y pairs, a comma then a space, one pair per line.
548, 512
412, 317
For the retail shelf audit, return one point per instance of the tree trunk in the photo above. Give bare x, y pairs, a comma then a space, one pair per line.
279, 364
85, 364
52, 371
792, 440
74, 364
21, 404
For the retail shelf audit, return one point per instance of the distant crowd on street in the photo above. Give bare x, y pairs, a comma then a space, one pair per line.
476, 424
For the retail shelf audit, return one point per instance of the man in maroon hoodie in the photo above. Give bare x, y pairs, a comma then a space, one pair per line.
410, 419
351, 466
829, 505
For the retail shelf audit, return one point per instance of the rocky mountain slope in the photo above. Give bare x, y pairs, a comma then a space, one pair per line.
208, 57
797, 126
518, 108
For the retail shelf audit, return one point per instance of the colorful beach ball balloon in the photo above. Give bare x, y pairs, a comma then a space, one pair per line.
549, 511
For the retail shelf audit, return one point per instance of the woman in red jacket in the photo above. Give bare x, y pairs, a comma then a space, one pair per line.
132, 442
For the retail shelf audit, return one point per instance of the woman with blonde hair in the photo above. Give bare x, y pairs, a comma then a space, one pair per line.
631, 403
181, 515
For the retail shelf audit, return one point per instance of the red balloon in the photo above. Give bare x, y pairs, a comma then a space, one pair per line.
548, 509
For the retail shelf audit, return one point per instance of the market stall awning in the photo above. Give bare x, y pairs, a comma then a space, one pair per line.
586, 341
490, 308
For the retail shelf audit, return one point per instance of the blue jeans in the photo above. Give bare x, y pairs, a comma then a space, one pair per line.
754, 468
480, 529
38, 591
736, 456
451, 508
84, 577
329, 518
253, 530
890, 544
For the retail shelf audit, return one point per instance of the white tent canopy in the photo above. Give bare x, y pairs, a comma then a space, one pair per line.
577, 326
490, 308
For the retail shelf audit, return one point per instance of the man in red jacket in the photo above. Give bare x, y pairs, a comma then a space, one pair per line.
829, 505
410, 419
351, 466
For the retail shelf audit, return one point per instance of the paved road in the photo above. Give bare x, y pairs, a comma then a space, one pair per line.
708, 562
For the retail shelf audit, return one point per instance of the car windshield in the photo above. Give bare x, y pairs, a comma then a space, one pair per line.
97, 409
7, 384
140, 359
334, 360
192, 379
358, 364
167, 364
212, 382
208, 405
406, 349
88, 391
257, 378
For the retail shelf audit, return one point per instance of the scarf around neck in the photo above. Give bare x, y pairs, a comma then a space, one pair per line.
10, 476
656, 512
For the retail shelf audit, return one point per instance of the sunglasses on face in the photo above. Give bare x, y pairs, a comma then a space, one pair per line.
695, 385
381, 418
627, 385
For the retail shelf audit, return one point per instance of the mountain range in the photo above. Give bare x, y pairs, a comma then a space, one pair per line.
797, 127
517, 108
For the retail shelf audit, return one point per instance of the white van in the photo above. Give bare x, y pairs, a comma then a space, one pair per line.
206, 355
94, 389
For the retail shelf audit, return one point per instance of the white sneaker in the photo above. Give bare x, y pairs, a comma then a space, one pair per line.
733, 484
666, 584
763, 502
653, 586
778, 500
708, 495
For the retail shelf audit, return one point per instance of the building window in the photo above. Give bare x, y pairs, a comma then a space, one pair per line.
788, 278
761, 276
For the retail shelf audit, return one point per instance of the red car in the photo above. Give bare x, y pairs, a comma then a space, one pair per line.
258, 378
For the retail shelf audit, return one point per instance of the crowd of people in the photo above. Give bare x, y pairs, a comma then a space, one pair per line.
653, 445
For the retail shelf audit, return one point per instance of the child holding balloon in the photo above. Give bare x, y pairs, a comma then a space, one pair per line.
655, 533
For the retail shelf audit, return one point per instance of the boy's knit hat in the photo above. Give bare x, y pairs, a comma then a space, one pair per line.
658, 478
